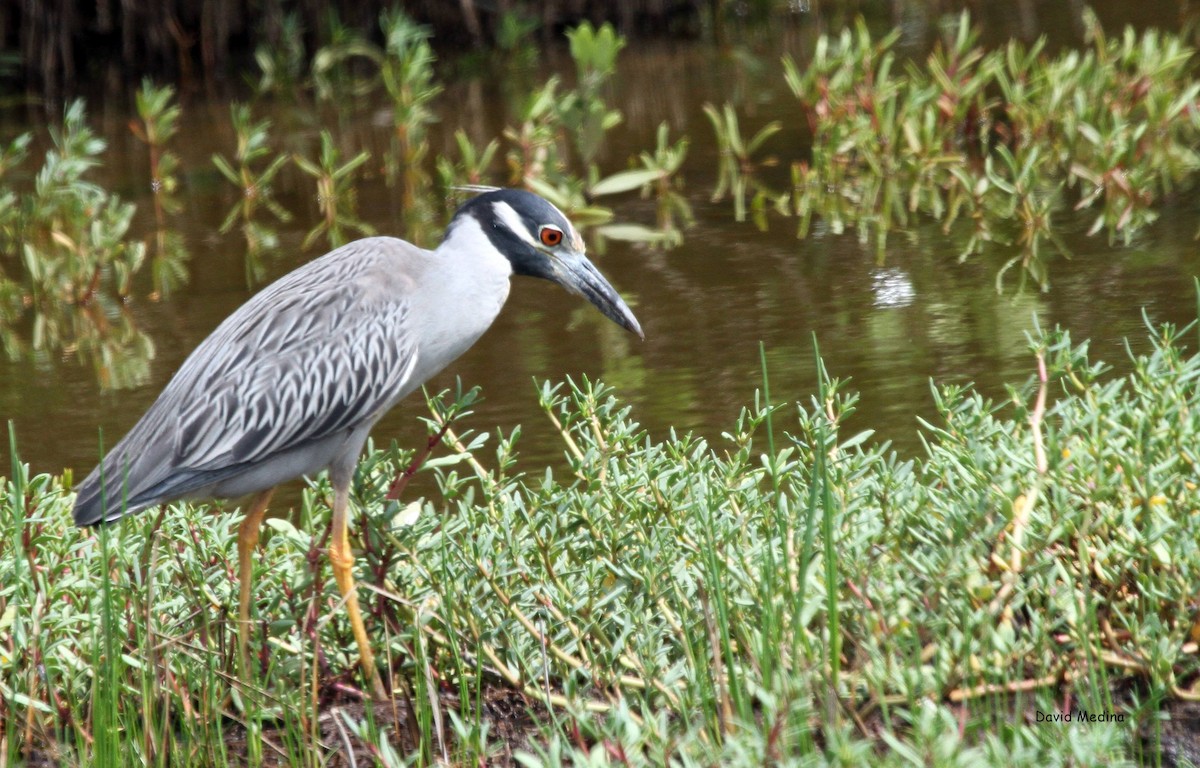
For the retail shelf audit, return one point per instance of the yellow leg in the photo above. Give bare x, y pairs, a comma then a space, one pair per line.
247, 541
342, 560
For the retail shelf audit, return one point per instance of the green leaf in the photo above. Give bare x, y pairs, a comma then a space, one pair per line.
625, 181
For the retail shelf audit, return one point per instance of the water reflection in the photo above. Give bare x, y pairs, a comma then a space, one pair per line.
892, 287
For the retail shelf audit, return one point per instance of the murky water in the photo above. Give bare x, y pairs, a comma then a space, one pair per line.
891, 325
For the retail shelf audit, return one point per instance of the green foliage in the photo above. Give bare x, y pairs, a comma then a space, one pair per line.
281, 62
560, 133
474, 166
72, 231
1003, 140
159, 122
676, 602
332, 72
336, 196
10, 209
658, 176
407, 72
534, 151
68, 237
583, 111
253, 181
738, 166
514, 34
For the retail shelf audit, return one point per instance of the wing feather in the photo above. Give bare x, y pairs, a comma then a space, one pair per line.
324, 349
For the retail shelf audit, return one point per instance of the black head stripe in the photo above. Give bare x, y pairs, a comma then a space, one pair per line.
532, 212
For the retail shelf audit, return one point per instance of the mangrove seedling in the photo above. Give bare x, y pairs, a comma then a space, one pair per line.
156, 124
253, 185
335, 193
473, 166
736, 173
333, 73
407, 73
281, 61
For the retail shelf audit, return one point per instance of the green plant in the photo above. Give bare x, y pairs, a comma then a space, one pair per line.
159, 122
999, 140
254, 186
474, 165
69, 240
72, 231
332, 64
534, 150
738, 165
551, 118
669, 601
10, 211
514, 38
281, 61
657, 176
407, 72
583, 111
335, 192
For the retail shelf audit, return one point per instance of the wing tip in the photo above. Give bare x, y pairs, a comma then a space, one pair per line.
88, 510
92, 507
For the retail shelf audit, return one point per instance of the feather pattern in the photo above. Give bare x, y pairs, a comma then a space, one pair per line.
316, 354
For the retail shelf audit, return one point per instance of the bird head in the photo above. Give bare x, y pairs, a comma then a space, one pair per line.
539, 241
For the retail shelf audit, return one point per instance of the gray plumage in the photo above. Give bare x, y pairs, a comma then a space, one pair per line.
292, 382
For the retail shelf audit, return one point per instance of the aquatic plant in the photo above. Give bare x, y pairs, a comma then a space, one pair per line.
514, 38
336, 196
11, 156
1004, 140
281, 60
253, 181
159, 121
72, 232
65, 256
674, 213
332, 71
473, 167
560, 132
407, 74
658, 176
736, 176
534, 140
583, 110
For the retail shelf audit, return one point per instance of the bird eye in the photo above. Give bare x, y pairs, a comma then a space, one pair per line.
551, 236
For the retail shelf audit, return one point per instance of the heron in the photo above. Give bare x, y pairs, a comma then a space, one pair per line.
292, 382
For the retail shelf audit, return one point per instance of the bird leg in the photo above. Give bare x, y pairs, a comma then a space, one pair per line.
342, 560
247, 541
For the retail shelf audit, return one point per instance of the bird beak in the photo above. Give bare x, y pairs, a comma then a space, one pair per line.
578, 275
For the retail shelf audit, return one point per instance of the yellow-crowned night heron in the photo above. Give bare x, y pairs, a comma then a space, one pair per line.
292, 382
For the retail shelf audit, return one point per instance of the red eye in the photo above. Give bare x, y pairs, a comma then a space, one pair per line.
551, 236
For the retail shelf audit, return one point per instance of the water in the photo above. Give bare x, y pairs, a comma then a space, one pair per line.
890, 325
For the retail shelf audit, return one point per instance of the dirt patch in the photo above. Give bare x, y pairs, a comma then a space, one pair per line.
1179, 736
512, 719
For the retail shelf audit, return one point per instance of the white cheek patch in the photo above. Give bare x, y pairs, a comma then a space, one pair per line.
513, 221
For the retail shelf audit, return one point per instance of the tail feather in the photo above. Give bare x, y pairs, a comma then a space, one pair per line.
99, 502
130, 486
